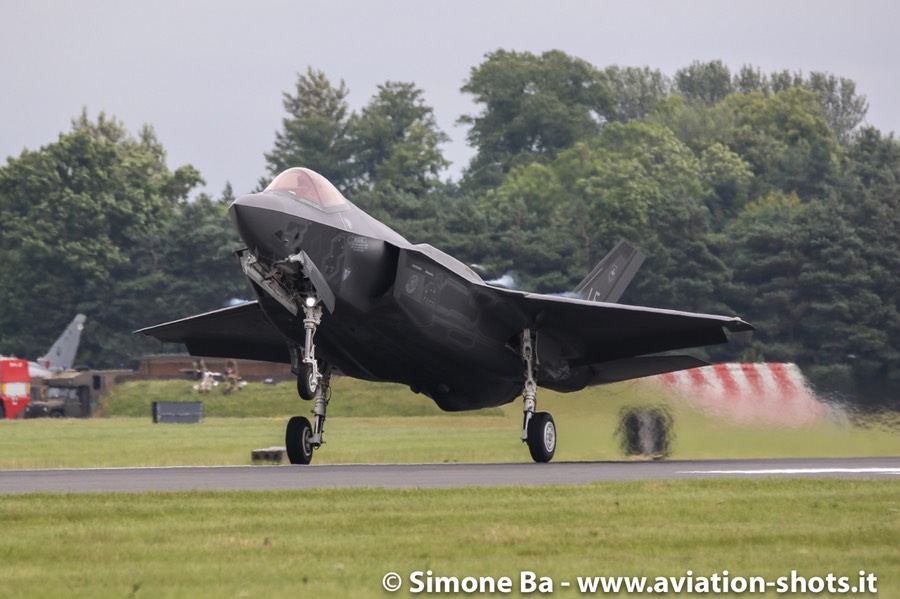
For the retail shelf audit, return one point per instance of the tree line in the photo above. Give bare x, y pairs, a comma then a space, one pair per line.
759, 194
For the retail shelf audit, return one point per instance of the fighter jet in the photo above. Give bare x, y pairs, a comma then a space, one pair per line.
61, 355
339, 292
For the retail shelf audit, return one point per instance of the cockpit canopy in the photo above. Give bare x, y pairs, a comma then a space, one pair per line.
308, 185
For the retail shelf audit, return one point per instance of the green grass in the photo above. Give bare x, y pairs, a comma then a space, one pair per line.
393, 431
353, 398
339, 543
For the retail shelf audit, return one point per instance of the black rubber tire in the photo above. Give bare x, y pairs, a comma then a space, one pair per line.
296, 440
542, 437
306, 382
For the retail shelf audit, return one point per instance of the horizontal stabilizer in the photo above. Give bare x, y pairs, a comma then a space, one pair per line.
638, 367
609, 279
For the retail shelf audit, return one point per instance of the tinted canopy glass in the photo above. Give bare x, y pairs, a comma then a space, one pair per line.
308, 185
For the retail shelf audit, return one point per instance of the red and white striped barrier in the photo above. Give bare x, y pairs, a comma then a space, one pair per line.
767, 392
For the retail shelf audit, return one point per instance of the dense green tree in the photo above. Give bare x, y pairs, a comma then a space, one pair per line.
800, 273
315, 132
696, 125
784, 80
844, 109
751, 79
82, 218
728, 180
551, 223
395, 141
674, 223
784, 138
764, 248
634, 92
531, 108
704, 82
872, 205
841, 331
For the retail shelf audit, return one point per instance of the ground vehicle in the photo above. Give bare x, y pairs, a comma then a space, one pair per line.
69, 394
15, 387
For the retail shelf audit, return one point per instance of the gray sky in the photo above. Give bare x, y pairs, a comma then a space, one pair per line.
209, 75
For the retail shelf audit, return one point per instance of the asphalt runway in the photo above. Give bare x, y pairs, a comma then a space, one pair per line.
267, 478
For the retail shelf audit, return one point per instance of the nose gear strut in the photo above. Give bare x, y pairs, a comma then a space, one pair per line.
303, 360
538, 428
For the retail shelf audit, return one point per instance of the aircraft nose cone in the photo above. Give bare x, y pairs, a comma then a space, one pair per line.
249, 204
256, 218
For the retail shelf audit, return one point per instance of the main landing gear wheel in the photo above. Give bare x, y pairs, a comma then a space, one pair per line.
541, 437
297, 440
538, 428
307, 381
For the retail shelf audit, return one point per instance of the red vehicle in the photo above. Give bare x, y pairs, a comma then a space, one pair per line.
15, 388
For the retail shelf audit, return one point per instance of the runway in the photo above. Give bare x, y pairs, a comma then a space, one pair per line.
267, 478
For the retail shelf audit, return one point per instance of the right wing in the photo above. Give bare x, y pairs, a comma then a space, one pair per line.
240, 331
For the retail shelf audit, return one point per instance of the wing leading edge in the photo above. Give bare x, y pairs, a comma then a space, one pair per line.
605, 331
240, 331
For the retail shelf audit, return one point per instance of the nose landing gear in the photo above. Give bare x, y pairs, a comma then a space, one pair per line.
313, 382
306, 367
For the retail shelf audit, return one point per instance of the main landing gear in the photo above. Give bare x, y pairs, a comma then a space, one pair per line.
313, 382
538, 428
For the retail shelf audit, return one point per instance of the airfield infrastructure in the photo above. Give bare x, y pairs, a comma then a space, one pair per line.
258, 478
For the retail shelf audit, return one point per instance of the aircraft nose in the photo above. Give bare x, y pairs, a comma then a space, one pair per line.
249, 204
256, 218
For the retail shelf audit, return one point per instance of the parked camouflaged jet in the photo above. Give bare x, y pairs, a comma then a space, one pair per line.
61, 355
341, 293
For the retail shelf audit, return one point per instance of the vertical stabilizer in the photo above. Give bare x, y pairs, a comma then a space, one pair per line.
609, 279
62, 353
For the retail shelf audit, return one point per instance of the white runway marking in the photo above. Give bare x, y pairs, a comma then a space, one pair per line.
800, 471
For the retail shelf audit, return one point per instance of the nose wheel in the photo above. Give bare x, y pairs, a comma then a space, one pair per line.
297, 440
307, 381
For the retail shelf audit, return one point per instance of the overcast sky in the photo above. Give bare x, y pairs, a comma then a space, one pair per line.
209, 75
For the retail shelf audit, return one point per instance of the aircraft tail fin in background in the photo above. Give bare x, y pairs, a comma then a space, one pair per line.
609, 279
61, 355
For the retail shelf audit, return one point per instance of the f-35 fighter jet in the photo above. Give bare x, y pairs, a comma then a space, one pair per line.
339, 292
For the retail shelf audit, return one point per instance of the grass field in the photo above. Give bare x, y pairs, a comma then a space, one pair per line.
340, 543
386, 423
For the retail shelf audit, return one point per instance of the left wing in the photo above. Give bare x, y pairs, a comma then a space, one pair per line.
604, 331
584, 343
